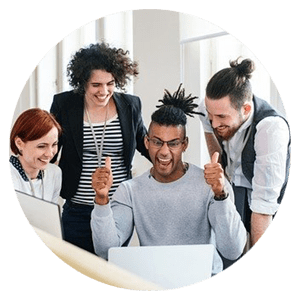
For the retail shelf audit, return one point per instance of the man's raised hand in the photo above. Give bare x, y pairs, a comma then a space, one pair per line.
214, 175
102, 180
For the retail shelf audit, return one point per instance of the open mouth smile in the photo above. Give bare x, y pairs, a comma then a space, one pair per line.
44, 161
164, 161
101, 98
221, 129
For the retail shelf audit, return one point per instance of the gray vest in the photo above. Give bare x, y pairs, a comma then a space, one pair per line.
262, 109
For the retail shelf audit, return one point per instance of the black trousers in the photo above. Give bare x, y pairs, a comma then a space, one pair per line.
76, 220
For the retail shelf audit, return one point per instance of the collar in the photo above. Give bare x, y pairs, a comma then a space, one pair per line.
185, 169
16, 163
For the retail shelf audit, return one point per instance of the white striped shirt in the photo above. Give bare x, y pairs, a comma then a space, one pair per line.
112, 146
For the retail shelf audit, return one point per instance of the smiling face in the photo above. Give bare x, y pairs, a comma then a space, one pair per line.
167, 163
37, 154
226, 120
99, 89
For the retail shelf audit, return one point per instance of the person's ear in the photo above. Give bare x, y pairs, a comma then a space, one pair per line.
19, 144
185, 143
247, 108
146, 142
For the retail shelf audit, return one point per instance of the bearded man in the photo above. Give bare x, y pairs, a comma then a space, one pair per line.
253, 140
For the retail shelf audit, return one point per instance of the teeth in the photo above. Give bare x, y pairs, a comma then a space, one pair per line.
101, 98
164, 160
44, 160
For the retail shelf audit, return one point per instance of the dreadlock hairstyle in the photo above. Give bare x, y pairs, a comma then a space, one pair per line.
175, 108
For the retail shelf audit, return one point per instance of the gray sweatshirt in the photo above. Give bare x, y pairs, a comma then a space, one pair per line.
182, 212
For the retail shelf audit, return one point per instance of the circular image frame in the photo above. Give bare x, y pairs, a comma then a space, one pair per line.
264, 238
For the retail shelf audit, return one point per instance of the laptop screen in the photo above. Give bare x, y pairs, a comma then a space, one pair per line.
42, 214
167, 266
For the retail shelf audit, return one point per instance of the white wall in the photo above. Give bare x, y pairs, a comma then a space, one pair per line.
156, 47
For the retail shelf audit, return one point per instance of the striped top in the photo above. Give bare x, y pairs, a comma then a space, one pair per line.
112, 146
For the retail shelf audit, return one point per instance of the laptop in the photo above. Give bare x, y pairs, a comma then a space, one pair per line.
42, 214
168, 266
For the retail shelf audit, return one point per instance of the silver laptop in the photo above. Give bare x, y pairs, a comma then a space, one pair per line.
42, 214
167, 266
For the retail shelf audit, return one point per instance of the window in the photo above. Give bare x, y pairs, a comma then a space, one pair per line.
203, 56
50, 76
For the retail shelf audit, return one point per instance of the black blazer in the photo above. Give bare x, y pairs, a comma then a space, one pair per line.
68, 108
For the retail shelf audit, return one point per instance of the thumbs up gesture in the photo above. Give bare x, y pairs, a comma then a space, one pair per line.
102, 180
214, 175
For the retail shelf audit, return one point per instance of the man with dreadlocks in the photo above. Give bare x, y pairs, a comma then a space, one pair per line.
173, 203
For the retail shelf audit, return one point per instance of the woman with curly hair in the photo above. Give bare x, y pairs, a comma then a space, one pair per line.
97, 122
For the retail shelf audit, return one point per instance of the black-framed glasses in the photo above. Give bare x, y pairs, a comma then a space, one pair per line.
157, 143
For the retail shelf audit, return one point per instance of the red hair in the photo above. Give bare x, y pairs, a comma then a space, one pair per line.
32, 125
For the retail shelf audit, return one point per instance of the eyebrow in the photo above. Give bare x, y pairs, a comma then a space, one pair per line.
96, 82
154, 137
43, 143
218, 115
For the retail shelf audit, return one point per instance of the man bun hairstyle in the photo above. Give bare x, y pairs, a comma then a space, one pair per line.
244, 69
174, 108
233, 82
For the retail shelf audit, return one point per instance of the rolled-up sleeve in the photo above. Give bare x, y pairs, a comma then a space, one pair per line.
271, 146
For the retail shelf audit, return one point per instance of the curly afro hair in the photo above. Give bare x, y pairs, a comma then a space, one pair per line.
100, 56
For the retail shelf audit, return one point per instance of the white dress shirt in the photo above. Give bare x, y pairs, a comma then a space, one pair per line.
270, 144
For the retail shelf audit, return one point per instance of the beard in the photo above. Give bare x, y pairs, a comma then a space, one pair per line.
226, 135
225, 132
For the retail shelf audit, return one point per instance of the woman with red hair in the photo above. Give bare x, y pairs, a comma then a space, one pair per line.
33, 141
